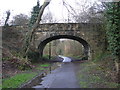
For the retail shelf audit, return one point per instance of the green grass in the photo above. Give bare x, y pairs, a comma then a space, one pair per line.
5, 58
83, 84
17, 80
91, 75
46, 56
45, 65
39, 68
0, 84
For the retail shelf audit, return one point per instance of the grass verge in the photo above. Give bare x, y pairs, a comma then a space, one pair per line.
21, 78
17, 80
94, 75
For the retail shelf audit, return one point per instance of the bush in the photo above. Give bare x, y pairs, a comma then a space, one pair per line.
20, 63
100, 56
46, 57
85, 58
33, 56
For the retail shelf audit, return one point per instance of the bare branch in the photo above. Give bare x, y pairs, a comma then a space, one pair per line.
69, 6
30, 36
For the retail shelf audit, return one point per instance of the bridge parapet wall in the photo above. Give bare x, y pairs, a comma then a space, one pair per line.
90, 32
67, 27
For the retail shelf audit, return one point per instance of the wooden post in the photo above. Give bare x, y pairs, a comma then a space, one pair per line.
50, 50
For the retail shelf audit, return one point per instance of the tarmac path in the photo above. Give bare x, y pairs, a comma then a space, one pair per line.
62, 77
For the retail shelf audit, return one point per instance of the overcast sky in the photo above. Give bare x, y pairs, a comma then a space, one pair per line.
25, 6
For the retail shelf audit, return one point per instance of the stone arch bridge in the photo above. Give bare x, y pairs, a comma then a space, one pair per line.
88, 34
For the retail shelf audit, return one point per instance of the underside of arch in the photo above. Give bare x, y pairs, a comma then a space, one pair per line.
80, 40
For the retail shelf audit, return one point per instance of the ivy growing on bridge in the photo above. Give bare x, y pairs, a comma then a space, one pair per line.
113, 27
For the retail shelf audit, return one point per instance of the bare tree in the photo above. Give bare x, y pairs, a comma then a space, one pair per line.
7, 18
87, 12
20, 19
70, 9
30, 35
48, 18
93, 13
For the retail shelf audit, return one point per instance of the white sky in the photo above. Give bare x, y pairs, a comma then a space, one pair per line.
25, 6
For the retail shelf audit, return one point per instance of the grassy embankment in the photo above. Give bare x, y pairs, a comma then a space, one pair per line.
99, 73
21, 78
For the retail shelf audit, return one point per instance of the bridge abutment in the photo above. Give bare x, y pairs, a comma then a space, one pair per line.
88, 34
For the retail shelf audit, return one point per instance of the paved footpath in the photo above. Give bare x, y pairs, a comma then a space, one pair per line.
62, 77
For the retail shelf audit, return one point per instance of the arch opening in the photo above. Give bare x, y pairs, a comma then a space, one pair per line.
86, 46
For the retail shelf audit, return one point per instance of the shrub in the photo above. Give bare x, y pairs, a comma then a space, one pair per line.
20, 63
33, 56
46, 57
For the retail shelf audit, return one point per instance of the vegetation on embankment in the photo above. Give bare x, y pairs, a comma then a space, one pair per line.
99, 73
17, 80
16, 70
112, 26
21, 78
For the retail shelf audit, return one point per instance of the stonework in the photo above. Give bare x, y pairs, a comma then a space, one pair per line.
90, 35
89, 32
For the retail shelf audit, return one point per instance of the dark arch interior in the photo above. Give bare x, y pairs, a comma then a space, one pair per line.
80, 40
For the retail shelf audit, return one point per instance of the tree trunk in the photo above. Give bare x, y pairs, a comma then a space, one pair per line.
34, 28
117, 65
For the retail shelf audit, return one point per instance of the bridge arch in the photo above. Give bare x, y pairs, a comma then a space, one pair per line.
80, 40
